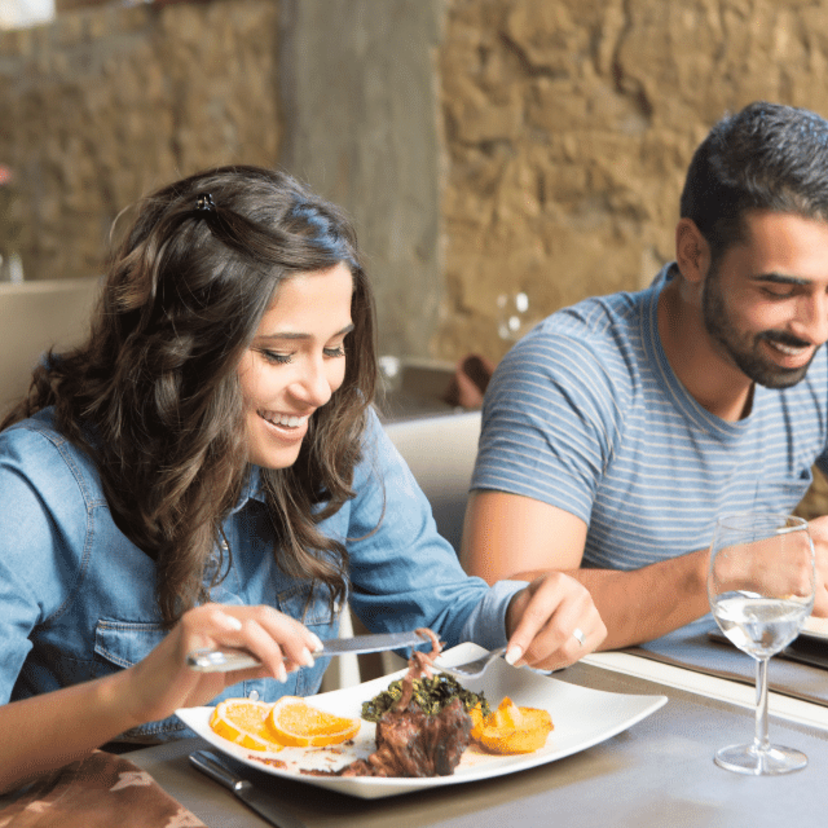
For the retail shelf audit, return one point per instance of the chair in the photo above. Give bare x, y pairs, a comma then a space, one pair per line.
35, 316
440, 451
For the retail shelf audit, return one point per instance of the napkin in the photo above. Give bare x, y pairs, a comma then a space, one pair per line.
101, 790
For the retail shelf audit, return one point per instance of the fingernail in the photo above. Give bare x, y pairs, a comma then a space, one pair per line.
513, 654
307, 658
231, 622
316, 641
281, 674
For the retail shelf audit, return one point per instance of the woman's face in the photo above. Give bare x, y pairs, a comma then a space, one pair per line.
295, 363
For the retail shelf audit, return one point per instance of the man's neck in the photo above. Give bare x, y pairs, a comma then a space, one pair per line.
715, 384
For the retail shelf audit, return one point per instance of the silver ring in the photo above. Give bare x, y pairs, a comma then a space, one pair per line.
578, 635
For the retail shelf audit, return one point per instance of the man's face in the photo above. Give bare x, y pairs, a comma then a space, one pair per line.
765, 303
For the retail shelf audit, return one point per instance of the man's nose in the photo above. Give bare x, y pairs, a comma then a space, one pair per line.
812, 320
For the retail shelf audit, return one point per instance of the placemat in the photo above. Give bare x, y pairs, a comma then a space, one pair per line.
693, 648
100, 791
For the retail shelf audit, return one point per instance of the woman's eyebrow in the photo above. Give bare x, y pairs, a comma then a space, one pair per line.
295, 335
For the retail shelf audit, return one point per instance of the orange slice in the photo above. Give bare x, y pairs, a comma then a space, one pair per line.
293, 721
244, 722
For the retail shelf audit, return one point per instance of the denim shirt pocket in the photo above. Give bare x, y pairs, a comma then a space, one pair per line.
313, 611
124, 643
316, 615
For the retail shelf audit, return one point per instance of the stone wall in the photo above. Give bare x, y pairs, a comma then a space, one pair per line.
106, 103
359, 99
568, 127
485, 147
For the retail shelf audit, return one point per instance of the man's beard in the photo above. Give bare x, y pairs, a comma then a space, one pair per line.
745, 350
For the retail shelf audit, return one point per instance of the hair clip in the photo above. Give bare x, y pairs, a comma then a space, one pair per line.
205, 202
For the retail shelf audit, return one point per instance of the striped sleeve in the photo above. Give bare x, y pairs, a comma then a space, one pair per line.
550, 423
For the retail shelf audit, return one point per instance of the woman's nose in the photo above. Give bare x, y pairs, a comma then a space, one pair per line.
314, 386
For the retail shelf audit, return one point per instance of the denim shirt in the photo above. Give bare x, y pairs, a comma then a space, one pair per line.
77, 598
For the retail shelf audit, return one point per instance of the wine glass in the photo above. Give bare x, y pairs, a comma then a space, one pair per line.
513, 316
761, 589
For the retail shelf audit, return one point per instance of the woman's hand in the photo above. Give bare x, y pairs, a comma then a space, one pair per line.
163, 682
544, 618
50, 730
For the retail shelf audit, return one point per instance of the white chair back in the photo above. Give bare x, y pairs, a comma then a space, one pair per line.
440, 451
35, 316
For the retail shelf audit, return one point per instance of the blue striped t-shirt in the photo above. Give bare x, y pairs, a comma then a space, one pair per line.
586, 414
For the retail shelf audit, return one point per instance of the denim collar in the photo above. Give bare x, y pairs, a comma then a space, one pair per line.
251, 490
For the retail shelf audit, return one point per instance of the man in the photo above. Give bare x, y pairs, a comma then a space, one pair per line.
617, 430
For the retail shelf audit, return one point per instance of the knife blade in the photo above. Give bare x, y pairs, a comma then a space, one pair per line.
222, 660
261, 802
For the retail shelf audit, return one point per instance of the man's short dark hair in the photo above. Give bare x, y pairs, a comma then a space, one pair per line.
766, 157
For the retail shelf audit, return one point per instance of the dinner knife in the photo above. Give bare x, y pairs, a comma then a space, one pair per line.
261, 802
222, 660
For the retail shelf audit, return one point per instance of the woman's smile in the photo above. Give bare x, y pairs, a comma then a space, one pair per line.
284, 420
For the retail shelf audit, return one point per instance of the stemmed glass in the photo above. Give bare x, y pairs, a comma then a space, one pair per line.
513, 316
761, 589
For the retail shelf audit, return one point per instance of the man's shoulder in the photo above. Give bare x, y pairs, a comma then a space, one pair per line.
600, 319
603, 334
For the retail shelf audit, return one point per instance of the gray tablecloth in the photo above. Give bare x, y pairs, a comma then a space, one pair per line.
657, 773
693, 648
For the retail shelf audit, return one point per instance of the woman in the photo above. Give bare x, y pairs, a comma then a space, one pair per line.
206, 470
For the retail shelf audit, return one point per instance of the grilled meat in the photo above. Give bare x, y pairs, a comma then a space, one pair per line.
410, 742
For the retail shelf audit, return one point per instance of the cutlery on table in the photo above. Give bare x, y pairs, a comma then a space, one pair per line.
259, 801
472, 669
803, 651
223, 660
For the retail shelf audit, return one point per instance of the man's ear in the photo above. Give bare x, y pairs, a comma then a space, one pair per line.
692, 251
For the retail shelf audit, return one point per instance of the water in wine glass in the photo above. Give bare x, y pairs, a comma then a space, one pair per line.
761, 588
757, 625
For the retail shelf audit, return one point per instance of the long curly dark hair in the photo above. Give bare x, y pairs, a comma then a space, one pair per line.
153, 393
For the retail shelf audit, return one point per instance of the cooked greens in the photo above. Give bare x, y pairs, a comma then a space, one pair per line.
431, 694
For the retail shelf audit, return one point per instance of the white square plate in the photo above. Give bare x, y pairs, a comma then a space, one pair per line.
582, 718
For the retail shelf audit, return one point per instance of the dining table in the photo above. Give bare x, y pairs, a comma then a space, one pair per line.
658, 772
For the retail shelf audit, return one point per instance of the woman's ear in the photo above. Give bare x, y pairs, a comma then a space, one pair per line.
692, 251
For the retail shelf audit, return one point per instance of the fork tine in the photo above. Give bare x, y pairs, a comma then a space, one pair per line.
475, 668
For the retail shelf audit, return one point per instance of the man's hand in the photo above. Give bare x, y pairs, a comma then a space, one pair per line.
819, 535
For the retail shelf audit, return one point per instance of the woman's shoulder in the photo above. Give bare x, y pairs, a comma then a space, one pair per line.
39, 451
34, 434
378, 459
40, 431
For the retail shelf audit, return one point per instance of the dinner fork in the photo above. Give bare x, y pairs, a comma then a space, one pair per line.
473, 669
